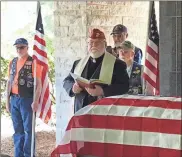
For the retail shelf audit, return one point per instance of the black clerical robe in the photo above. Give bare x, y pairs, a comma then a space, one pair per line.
119, 84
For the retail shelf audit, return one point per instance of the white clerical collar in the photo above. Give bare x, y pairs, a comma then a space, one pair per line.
94, 59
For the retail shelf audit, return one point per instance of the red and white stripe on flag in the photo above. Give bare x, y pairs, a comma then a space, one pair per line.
151, 68
40, 55
125, 126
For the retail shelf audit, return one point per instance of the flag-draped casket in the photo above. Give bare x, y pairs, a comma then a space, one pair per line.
125, 126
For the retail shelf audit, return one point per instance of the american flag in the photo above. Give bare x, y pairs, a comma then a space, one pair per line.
40, 55
125, 126
151, 68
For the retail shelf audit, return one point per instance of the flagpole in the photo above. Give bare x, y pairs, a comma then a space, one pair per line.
150, 10
33, 118
35, 84
152, 5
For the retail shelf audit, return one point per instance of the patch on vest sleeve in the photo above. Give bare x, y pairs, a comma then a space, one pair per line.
135, 90
28, 63
29, 84
29, 76
28, 67
21, 82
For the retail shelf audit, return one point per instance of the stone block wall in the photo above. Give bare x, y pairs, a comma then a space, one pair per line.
72, 21
170, 48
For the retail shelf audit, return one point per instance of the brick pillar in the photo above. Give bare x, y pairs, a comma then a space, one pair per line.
70, 35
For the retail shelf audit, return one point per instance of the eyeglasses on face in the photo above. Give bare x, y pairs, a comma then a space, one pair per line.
119, 35
20, 47
122, 50
95, 42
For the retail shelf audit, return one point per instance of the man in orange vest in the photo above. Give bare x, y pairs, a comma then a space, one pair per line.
20, 92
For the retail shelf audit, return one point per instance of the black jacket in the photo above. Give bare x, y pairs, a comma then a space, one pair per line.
136, 81
119, 84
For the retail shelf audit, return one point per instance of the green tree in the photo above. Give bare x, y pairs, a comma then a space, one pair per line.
51, 74
4, 72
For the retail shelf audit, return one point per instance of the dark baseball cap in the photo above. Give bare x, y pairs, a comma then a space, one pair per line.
119, 29
21, 41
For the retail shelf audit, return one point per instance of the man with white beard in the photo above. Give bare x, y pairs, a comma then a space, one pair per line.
98, 64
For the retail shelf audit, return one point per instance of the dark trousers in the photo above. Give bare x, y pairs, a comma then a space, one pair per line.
21, 114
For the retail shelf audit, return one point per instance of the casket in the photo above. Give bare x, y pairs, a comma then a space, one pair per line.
125, 126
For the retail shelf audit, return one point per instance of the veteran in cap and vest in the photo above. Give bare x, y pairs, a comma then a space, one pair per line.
120, 34
98, 64
20, 103
134, 70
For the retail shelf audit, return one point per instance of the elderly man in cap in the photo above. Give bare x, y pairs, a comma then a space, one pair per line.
98, 64
120, 34
20, 103
126, 53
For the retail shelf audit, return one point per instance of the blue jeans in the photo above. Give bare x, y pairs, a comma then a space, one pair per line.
21, 114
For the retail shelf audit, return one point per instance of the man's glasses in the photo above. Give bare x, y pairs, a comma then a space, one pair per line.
95, 42
119, 35
122, 50
20, 48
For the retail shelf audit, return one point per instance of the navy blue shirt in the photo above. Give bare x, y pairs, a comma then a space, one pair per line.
138, 55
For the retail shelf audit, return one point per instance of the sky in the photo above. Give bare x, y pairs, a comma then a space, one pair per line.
14, 17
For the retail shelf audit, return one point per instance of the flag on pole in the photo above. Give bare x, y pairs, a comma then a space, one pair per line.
40, 55
151, 68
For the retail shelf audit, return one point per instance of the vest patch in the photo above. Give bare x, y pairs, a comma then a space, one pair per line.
25, 77
22, 82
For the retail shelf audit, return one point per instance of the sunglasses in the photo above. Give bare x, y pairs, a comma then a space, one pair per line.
120, 34
20, 48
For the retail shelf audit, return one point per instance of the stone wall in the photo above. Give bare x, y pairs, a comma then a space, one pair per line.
170, 48
72, 21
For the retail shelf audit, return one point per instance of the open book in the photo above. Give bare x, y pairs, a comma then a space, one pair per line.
84, 83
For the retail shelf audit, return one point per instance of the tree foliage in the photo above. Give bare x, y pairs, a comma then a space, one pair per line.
4, 72
51, 74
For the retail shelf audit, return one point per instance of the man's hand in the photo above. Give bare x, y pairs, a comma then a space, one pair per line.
8, 107
35, 106
76, 88
97, 91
